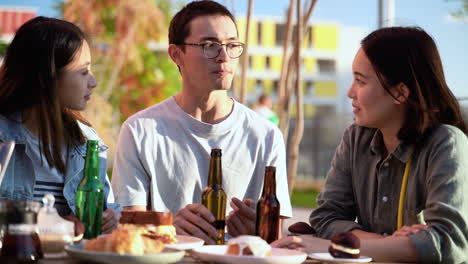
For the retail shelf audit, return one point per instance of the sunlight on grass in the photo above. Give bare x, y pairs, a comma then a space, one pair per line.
307, 199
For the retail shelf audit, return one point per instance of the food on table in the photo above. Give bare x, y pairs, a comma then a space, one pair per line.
248, 246
301, 228
126, 241
158, 224
345, 245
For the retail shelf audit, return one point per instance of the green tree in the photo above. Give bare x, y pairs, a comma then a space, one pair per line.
462, 13
3, 48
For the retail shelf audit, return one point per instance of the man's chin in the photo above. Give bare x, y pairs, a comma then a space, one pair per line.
223, 84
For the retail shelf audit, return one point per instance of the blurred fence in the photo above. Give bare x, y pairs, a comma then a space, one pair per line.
322, 134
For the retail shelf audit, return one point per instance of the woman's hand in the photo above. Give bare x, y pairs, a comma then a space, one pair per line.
408, 230
306, 243
110, 220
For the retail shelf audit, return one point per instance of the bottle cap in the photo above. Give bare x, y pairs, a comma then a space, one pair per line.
92, 144
216, 152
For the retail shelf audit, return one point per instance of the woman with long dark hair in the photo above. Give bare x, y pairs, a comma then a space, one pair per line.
398, 180
45, 80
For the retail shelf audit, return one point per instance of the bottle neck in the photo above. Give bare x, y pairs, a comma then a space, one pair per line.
269, 185
92, 159
215, 176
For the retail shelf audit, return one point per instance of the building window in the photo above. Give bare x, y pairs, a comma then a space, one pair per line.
326, 66
280, 29
310, 37
268, 63
309, 88
275, 86
259, 34
258, 86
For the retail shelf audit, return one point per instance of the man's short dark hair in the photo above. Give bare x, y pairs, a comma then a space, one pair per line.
179, 29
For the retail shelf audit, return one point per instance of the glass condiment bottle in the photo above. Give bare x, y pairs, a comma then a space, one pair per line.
21, 242
54, 231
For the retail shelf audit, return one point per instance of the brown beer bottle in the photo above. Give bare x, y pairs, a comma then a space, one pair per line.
268, 208
214, 197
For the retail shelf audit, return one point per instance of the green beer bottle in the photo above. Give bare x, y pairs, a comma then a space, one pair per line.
90, 194
214, 197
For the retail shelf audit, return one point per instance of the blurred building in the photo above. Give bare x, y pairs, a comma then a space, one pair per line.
327, 53
11, 18
319, 60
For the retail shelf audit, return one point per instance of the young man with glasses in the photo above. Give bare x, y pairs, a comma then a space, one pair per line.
163, 153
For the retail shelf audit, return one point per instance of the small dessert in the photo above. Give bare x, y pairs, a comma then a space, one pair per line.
301, 228
248, 246
158, 224
345, 245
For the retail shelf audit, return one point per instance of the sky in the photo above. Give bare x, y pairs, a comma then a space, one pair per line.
432, 15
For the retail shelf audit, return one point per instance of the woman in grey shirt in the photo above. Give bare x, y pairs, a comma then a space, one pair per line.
399, 176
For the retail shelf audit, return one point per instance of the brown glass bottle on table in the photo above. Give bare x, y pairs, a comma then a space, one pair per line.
214, 197
268, 209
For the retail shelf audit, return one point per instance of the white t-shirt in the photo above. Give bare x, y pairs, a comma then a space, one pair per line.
163, 156
264, 111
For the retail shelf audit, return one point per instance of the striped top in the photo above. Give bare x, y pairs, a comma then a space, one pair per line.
47, 179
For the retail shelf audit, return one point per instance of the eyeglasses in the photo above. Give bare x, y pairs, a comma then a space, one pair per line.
212, 49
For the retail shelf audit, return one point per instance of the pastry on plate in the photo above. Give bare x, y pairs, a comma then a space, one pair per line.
158, 224
126, 241
345, 245
248, 246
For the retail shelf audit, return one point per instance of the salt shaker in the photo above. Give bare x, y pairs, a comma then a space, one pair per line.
54, 231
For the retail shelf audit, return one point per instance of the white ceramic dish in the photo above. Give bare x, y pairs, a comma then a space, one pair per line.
186, 243
166, 256
278, 256
326, 257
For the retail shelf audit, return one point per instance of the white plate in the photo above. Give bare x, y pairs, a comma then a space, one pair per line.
329, 258
278, 256
166, 256
186, 243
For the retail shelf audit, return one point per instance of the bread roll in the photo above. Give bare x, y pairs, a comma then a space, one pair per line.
157, 224
248, 245
146, 217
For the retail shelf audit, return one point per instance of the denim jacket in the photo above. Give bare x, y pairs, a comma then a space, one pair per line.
19, 179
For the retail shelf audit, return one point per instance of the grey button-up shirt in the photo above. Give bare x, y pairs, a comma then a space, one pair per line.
363, 187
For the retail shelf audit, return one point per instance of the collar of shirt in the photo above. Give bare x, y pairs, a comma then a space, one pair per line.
402, 152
